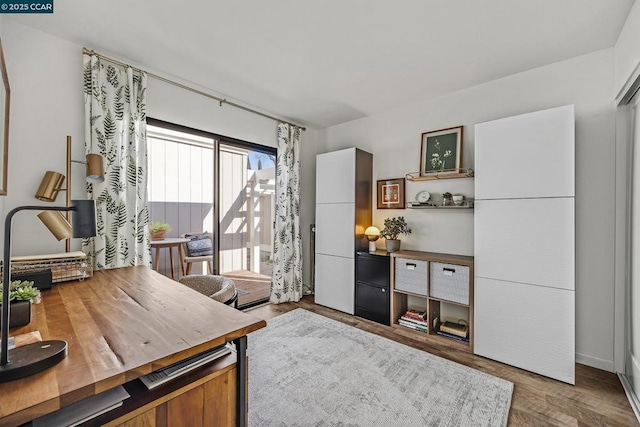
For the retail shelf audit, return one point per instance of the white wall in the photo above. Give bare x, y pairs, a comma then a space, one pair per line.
45, 73
586, 81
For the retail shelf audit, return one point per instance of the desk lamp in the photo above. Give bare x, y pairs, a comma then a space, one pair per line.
52, 182
35, 357
372, 233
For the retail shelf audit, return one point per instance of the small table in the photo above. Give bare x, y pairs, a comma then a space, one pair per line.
170, 243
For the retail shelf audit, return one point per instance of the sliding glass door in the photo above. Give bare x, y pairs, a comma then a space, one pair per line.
632, 359
201, 182
246, 194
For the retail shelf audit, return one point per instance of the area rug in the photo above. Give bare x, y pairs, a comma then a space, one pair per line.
308, 370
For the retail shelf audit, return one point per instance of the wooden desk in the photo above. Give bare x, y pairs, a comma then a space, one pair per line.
119, 325
169, 243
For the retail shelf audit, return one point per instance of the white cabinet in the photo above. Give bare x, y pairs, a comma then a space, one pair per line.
506, 231
339, 241
343, 212
334, 282
531, 155
526, 326
524, 243
335, 176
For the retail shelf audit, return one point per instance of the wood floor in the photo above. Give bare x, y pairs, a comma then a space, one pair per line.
256, 285
597, 399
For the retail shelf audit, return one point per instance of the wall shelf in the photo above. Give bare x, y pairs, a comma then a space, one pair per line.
415, 205
458, 173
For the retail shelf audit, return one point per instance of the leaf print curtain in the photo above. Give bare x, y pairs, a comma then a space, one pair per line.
286, 280
115, 127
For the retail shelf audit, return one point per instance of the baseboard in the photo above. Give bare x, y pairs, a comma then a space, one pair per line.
595, 362
631, 395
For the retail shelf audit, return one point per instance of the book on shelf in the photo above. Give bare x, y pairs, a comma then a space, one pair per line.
416, 315
414, 322
412, 326
459, 329
455, 337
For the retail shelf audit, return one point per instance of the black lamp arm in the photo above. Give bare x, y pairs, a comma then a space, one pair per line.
6, 273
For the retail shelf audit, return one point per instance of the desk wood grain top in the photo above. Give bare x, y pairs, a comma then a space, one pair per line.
119, 325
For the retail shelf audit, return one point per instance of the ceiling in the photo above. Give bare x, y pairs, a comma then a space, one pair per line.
326, 62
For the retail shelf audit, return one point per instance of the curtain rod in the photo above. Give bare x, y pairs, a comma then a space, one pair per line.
185, 87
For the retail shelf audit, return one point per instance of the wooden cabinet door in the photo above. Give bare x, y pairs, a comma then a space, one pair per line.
220, 401
187, 409
146, 419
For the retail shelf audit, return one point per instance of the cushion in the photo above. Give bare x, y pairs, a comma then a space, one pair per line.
199, 245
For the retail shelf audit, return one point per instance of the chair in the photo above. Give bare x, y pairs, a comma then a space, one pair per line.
188, 257
219, 288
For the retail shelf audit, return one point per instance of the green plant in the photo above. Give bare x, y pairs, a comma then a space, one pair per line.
156, 226
21, 290
393, 227
446, 195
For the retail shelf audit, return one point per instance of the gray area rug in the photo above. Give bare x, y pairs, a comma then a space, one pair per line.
308, 370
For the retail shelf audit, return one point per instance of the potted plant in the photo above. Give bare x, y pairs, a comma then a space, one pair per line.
158, 230
393, 227
21, 294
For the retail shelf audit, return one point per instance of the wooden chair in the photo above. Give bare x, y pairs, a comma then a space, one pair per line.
189, 260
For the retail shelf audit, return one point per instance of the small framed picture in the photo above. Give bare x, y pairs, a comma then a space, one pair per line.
441, 151
391, 193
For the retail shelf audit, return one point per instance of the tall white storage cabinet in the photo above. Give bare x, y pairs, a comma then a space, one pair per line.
525, 242
343, 212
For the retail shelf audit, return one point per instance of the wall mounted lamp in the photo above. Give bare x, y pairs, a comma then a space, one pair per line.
52, 182
372, 234
29, 359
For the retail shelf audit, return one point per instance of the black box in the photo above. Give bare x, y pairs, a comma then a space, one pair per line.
41, 278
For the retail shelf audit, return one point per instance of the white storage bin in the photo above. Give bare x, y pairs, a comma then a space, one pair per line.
411, 276
450, 282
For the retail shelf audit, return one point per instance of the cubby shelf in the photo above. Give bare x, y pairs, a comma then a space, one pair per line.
424, 299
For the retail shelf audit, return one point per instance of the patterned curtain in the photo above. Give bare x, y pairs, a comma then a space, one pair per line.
286, 281
115, 127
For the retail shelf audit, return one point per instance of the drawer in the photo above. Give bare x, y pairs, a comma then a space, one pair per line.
411, 276
373, 269
372, 298
450, 282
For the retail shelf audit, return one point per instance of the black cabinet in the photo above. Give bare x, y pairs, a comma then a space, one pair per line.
372, 286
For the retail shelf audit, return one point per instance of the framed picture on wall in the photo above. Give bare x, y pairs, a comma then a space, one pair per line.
391, 193
441, 151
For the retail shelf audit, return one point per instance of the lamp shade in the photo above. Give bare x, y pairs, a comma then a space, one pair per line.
50, 186
56, 223
372, 233
95, 168
83, 218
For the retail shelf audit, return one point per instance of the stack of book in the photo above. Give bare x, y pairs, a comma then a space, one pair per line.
414, 319
458, 331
